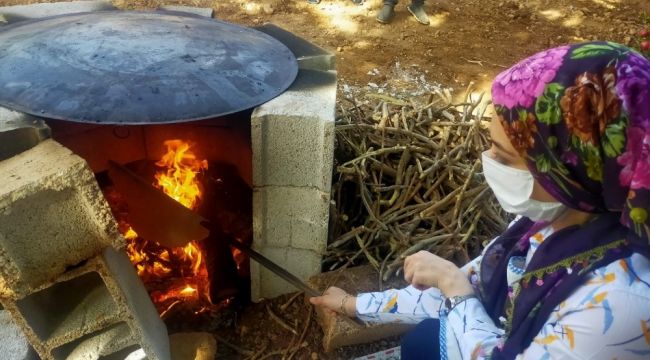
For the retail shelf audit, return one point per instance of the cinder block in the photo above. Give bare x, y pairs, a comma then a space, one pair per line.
19, 131
293, 134
265, 284
292, 140
309, 56
339, 332
93, 311
206, 12
290, 216
13, 344
18, 13
52, 216
290, 227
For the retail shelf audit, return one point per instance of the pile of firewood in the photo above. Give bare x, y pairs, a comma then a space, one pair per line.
408, 178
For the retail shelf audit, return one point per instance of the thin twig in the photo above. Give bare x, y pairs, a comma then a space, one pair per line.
239, 350
279, 320
284, 306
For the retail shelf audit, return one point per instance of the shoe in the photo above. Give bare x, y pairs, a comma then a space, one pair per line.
385, 14
417, 10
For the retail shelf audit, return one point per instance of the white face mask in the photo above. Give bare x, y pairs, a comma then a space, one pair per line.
513, 187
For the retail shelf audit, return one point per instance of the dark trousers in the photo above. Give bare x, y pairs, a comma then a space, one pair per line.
423, 342
394, 2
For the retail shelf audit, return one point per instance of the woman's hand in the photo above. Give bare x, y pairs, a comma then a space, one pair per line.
424, 270
336, 300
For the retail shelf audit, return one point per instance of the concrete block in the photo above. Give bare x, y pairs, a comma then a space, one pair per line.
19, 131
339, 332
96, 310
18, 13
13, 344
290, 217
206, 12
52, 216
290, 227
293, 134
265, 284
193, 346
309, 56
143, 317
105, 342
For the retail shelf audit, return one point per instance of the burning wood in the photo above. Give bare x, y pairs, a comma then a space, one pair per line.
177, 275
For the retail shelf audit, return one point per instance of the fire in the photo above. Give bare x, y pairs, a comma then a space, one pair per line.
188, 291
178, 180
174, 275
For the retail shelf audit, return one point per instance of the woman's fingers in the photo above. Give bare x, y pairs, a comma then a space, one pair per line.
318, 300
408, 273
408, 268
421, 270
331, 298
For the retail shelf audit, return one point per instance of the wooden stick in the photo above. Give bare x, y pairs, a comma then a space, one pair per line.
279, 320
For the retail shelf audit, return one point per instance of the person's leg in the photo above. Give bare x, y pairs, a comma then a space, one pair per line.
387, 11
417, 10
423, 342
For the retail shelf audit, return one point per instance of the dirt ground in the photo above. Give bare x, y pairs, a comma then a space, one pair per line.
467, 41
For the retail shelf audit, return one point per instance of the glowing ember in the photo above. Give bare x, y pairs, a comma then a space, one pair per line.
174, 275
188, 291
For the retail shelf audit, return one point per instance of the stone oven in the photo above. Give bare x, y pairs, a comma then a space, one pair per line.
54, 172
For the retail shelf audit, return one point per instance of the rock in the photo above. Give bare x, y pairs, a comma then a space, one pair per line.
268, 9
193, 346
252, 8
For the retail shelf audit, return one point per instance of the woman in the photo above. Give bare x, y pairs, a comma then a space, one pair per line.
570, 278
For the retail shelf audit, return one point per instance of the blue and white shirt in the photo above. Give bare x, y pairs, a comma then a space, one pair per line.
606, 318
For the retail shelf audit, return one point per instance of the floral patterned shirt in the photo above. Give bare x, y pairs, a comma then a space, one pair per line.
606, 318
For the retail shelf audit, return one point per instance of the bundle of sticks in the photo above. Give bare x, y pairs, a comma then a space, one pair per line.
408, 178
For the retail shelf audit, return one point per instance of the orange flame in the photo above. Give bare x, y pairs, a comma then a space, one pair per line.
182, 268
179, 179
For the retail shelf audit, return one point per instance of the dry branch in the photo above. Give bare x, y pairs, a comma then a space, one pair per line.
409, 179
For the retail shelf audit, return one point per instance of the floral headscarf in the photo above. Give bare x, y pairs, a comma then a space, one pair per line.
580, 116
